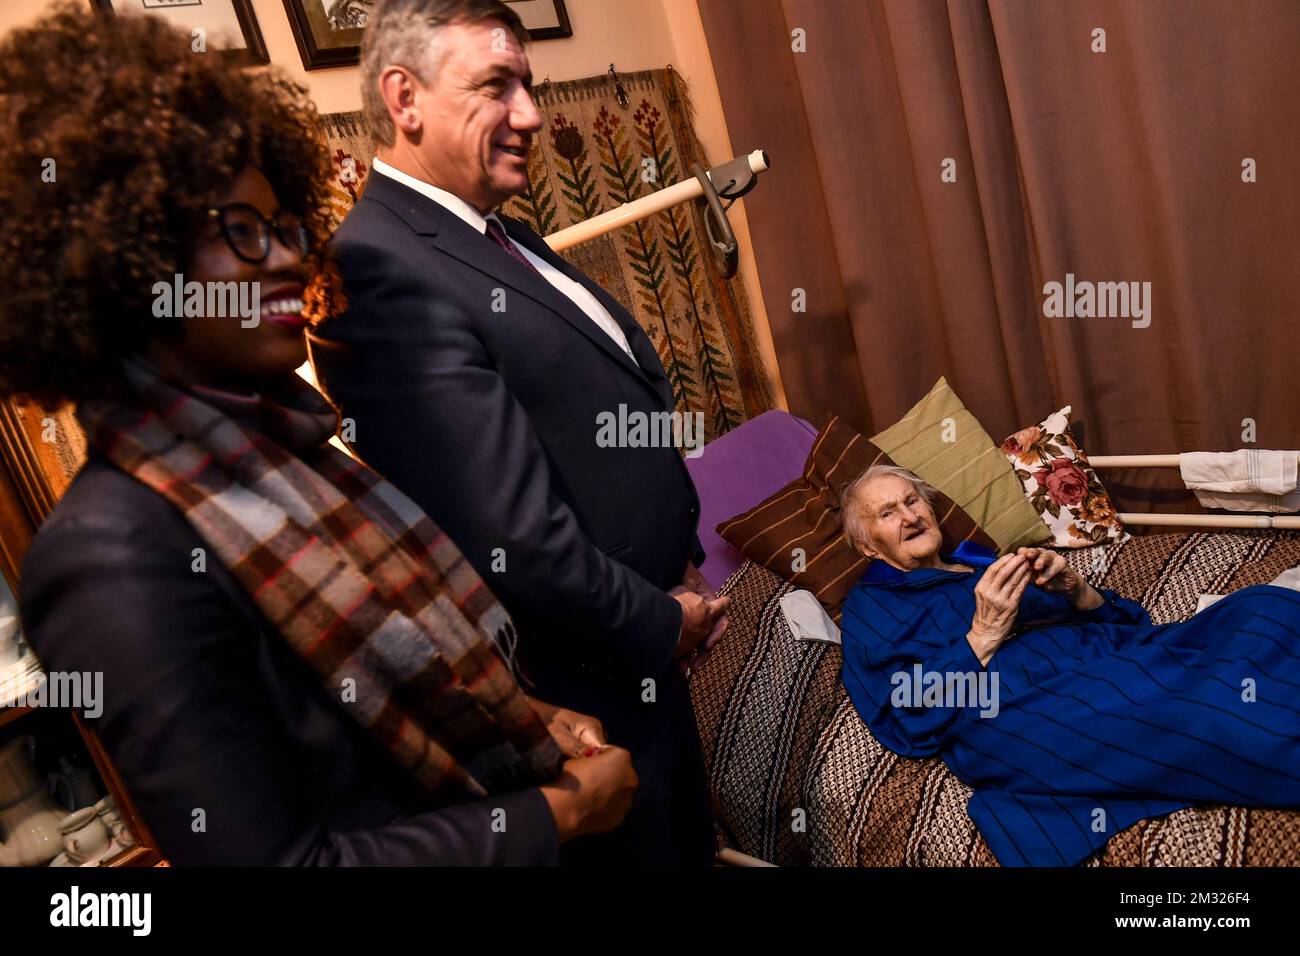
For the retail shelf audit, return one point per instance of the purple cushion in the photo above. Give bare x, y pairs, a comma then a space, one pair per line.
740, 469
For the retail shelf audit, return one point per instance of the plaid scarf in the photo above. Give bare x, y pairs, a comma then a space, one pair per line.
354, 576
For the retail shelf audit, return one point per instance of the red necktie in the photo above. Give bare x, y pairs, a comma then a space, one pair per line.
497, 234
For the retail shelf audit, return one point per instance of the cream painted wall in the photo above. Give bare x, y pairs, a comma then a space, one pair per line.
631, 34
14, 13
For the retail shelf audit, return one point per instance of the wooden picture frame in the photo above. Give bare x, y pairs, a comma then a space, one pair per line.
42, 450
189, 14
321, 44
326, 36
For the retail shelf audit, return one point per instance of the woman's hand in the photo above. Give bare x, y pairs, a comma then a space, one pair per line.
593, 794
1055, 574
997, 599
596, 788
577, 734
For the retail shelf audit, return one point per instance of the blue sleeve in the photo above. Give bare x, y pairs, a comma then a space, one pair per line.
881, 651
1115, 610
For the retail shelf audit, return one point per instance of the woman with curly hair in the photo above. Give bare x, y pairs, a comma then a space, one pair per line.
298, 667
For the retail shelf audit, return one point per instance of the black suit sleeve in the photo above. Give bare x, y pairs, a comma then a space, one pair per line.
465, 450
188, 722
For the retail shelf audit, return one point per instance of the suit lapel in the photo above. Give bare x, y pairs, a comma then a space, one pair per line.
648, 364
456, 238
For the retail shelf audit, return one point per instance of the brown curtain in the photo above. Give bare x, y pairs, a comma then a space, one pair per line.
1123, 165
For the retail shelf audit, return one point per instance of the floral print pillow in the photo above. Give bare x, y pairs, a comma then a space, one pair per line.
1063, 488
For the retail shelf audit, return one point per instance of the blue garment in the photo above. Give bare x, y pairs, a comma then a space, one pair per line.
1102, 718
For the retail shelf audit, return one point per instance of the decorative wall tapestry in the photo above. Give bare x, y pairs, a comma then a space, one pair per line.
593, 155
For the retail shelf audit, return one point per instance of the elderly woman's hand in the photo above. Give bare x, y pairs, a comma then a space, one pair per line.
1054, 574
997, 599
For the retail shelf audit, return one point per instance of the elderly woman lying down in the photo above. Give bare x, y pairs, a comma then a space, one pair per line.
1070, 714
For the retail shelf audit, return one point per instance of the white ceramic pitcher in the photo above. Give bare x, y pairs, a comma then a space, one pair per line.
29, 819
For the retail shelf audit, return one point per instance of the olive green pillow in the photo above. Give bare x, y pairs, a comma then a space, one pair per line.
943, 443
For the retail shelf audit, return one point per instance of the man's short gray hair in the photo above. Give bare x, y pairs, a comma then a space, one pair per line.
406, 33
855, 528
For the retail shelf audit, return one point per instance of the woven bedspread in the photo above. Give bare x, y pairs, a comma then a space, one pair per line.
797, 778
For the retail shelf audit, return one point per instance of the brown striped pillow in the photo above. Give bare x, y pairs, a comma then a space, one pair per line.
806, 514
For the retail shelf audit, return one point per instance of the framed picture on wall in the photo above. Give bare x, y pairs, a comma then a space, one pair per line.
328, 32
545, 19
228, 25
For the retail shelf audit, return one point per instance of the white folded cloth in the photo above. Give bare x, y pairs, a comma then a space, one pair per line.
807, 618
1289, 578
1252, 479
1205, 600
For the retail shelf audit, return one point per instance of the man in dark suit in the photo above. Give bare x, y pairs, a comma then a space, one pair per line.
476, 366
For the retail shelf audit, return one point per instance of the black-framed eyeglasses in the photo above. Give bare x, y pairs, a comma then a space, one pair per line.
248, 232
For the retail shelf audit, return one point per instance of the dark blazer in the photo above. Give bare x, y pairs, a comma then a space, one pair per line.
205, 707
475, 386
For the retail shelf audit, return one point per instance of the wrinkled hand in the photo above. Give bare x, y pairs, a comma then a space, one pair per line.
1052, 570
578, 735
1055, 574
997, 600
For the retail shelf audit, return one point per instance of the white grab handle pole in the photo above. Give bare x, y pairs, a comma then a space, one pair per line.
1272, 522
1134, 461
735, 858
642, 208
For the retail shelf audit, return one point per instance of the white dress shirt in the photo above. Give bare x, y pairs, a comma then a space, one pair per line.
575, 292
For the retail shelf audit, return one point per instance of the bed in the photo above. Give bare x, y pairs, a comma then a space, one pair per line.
797, 778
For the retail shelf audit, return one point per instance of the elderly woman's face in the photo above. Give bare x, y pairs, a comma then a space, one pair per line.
901, 528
